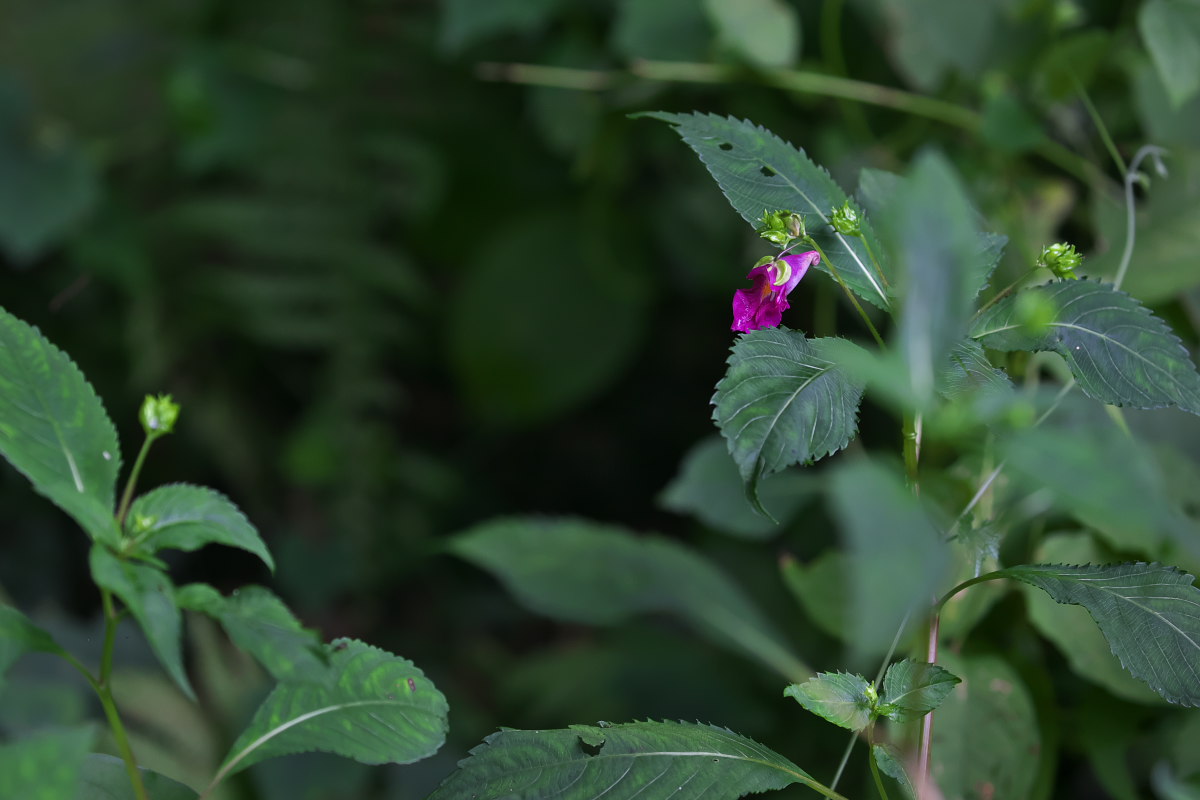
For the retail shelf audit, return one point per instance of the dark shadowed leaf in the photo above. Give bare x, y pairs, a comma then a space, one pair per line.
890, 763
911, 689
839, 697
820, 587
185, 517
467, 22
45, 766
18, 636
652, 760
667, 30
968, 370
105, 778
54, 429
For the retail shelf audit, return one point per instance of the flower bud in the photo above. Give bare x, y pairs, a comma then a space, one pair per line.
846, 221
1061, 259
780, 227
158, 414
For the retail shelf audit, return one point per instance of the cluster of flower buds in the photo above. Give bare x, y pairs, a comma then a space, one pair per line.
781, 228
1061, 259
846, 220
158, 415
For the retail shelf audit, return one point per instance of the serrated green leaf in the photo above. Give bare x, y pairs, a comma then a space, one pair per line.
760, 172
888, 759
184, 517
911, 689
45, 766
652, 760
1171, 31
54, 429
105, 778
784, 400
1149, 613
597, 574
258, 622
764, 33
18, 636
150, 597
380, 710
1117, 350
839, 697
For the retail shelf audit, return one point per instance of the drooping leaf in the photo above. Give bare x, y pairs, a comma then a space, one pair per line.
1117, 350
150, 597
888, 759
258, 622
380, 710
105, 778
840, 697
1171, 31
764, 33
985, 735
45, 766
896, 559
911, 689
784, 400
652, 760
54, 429
184, 517
601, 575
1149, 613
760, 172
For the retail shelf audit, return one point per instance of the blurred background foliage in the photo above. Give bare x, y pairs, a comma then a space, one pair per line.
401, 286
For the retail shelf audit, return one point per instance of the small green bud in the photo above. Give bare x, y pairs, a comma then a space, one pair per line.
158, 414
780, 227
872, 694
1061, 259
143, 523
846, 221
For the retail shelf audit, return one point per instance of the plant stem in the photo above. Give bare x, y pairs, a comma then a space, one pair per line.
912, 450
1130, 222
131, 484
926, 752
103, 688
853, 300
1100, 126
875, 770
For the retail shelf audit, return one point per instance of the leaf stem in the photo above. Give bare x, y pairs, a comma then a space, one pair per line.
853, 300
912, 450
103, 687
1131, 176
131, 484
1100, 126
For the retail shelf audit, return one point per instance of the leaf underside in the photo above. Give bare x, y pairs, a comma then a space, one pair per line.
839, 697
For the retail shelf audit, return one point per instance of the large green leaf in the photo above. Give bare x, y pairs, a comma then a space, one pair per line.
380, 710
839, 697
911, 689
760, 172
601, 575
649, 760
18, 636
1117, 350
1171, 31
105, 778
1149, 613
45, 766
784, 400
150, 596
185, 517
54, 429
258, 622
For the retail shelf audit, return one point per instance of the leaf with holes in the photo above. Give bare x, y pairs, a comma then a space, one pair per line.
652, 760
184, 517
784, 400
841, 698
1149, 613
1117, 350
760, 172
380, 710
54, 429
911, 689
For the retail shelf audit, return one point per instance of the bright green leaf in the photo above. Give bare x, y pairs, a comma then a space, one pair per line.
54, 429
888, 759
764, 33
18, 636
1171, 31
839, 697
1149, 613
911, 689
1117, 350
45, 766
652, 760
149, 595
760, 172
185, 517
601, 575
105, 778
381, 710
784, 400
258, 622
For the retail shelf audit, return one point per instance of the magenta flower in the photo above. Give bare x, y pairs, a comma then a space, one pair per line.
763, 305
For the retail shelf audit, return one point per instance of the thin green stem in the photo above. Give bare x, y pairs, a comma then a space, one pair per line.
853, 300
875, 768
912, 450
1109, 144
925, 753
103, 687
1131, 176
131, 484
874, 261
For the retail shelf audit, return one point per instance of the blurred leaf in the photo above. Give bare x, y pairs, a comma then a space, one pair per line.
1117, 350
382, 710
1007, 126
185, 517
709, 488
820, 586
1072, 61
764, 33
105, 778
149, 595
45, 766
665, 30
968, 370
911, 689
54, 429
18, 636
1164, 124
784, 400
887, 758
1168, 786
1171, 31
839, 697
896, 558
49, 185
928, 38
986, 739
258, 622
1072, 630
1150, 615
650, 759
545, 317
597, 574
468, 22
760, 172
314, 776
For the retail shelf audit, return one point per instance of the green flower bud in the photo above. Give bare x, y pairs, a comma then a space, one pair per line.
1061, 259
158, 414
846, 221
781, 227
